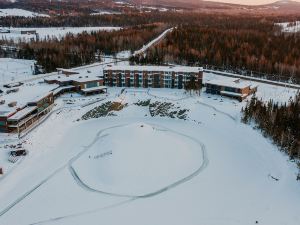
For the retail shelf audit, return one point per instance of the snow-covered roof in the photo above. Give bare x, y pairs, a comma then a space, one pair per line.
184, 69
230, 82
22, 113
40, 97
67, 70
59, 89
234, 94
94, 89
77, 78
27, 93
5, 113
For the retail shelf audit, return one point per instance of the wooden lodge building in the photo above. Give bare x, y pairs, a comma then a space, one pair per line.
230, 87
82, 84
19, 112
21, 119
151, 76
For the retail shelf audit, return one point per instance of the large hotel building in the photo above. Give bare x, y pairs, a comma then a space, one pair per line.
151, 76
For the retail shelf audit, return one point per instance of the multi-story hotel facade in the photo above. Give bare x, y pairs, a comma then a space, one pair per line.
151, 76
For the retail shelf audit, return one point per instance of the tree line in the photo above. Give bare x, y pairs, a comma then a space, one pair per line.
277, 121
86, 48
235, 50
261, 23
245, 44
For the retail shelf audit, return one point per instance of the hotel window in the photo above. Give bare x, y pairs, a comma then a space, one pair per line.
230, 89
91, 84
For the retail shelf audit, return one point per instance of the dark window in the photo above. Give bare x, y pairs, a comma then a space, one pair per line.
180, 82
156, 83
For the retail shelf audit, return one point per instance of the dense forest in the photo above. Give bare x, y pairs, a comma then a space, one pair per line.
245, 44
280, 122
256, 49
76, 50
172, 18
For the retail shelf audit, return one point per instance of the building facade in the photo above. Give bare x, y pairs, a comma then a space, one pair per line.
23, 118
234, 88
151, 76
77, 83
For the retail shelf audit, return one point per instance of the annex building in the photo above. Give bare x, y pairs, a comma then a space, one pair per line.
19, 118
82, 83
231, 87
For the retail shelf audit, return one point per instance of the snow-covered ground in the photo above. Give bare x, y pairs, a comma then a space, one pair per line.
132, 168
15, 69
290, 27
163, 158
20, 12
52, 32
105, 12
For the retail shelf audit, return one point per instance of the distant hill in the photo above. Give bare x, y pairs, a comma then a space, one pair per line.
282, 6
279, 7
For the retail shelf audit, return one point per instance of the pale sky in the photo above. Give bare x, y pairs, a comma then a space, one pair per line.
249, 2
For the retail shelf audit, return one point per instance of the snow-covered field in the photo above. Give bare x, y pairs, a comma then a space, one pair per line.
15, 69
52, 32
132, 168
290, 27
20, 12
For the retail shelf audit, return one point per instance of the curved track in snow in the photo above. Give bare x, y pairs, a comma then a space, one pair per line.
161, 190
131, 198
87, 188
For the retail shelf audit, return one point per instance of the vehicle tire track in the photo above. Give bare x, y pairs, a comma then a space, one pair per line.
173, 185
86, 187
217, 110
55, 219
131, 197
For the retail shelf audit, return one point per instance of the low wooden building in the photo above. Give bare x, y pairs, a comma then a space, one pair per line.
234, 88
83, 84
23, 118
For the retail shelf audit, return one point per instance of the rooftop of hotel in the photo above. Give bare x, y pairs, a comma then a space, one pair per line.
82, 77
27, 93
230, 82
184, 69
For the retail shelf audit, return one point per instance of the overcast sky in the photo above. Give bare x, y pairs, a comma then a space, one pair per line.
248, 2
